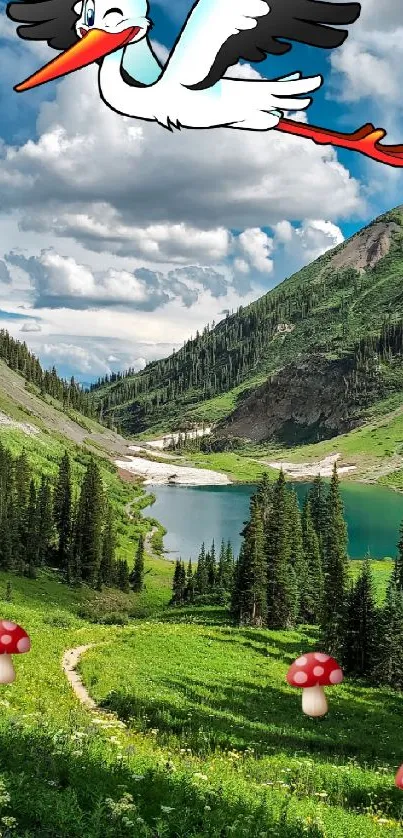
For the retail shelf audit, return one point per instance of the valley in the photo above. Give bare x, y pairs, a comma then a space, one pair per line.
135, 717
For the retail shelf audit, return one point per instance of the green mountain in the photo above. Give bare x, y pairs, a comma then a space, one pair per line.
303, 362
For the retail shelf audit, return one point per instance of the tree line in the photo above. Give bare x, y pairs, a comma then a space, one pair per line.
224, 355
211, 583
293, 569
59, 525
18, 357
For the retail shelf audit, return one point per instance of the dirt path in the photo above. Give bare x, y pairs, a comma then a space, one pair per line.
70, 661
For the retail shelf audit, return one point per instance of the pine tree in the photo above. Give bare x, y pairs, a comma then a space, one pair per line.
336, 576
359, 644
311, 597
32, 530
264, 496
317, 499
298, 571
281, 585
179, 583
137, 574
63, 514
122, 577
45, 522
190, 583
88, 535
106, 568
388, 662
201, 575
249, 600
229, 568
221, 566
211, 568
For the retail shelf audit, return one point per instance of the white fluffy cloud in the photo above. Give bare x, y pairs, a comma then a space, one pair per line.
31, 326
118, 218
368, 65
307, 242
90, 160
256, 246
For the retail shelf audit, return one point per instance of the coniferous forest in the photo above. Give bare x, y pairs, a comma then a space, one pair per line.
316, 311
60, 525
293, 569
18, 357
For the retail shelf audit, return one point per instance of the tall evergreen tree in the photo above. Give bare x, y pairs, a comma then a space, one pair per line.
45, 522
63, 514
249, 600
89, 522
281, 594
211, 567
137, 574
179, 583
298, 570
201, 575
388, 657
122, 576
264, 495
32, 530
190, 583
336, 572
106, 568
311, 598
359, 644
317, 499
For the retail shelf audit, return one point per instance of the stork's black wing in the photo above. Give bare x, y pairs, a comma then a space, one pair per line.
46, 20
309, 22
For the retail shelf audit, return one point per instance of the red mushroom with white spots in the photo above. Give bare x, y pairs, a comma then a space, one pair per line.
312, 672
13, 641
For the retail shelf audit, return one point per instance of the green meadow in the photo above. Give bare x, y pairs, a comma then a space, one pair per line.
208, 739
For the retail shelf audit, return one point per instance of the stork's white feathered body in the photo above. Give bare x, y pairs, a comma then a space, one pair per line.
232, 103
193, 90
172, 99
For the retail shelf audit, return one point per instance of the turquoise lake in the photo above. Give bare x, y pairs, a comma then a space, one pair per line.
193, 514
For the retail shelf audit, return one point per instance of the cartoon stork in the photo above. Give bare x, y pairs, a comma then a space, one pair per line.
194, 89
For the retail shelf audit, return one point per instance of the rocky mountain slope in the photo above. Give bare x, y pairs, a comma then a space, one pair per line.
304, 362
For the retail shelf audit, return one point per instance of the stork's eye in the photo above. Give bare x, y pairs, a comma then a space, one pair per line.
89, 13
114, 11
113, 17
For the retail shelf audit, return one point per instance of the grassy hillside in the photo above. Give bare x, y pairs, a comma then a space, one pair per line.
41, 427
325, 312
226, 754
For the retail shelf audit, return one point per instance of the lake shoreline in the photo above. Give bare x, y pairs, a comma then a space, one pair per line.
192, 515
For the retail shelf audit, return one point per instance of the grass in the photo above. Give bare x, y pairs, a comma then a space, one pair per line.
375, 449
213, 699
216, 744
240, 469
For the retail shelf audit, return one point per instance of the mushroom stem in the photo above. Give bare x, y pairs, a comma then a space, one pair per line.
314, 701
7, 671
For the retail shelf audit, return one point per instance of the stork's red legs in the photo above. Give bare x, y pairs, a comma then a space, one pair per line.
366, 140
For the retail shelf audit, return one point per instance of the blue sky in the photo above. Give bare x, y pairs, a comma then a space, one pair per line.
119, 240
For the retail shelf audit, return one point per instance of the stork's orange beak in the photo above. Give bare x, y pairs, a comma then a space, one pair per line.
95, 44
